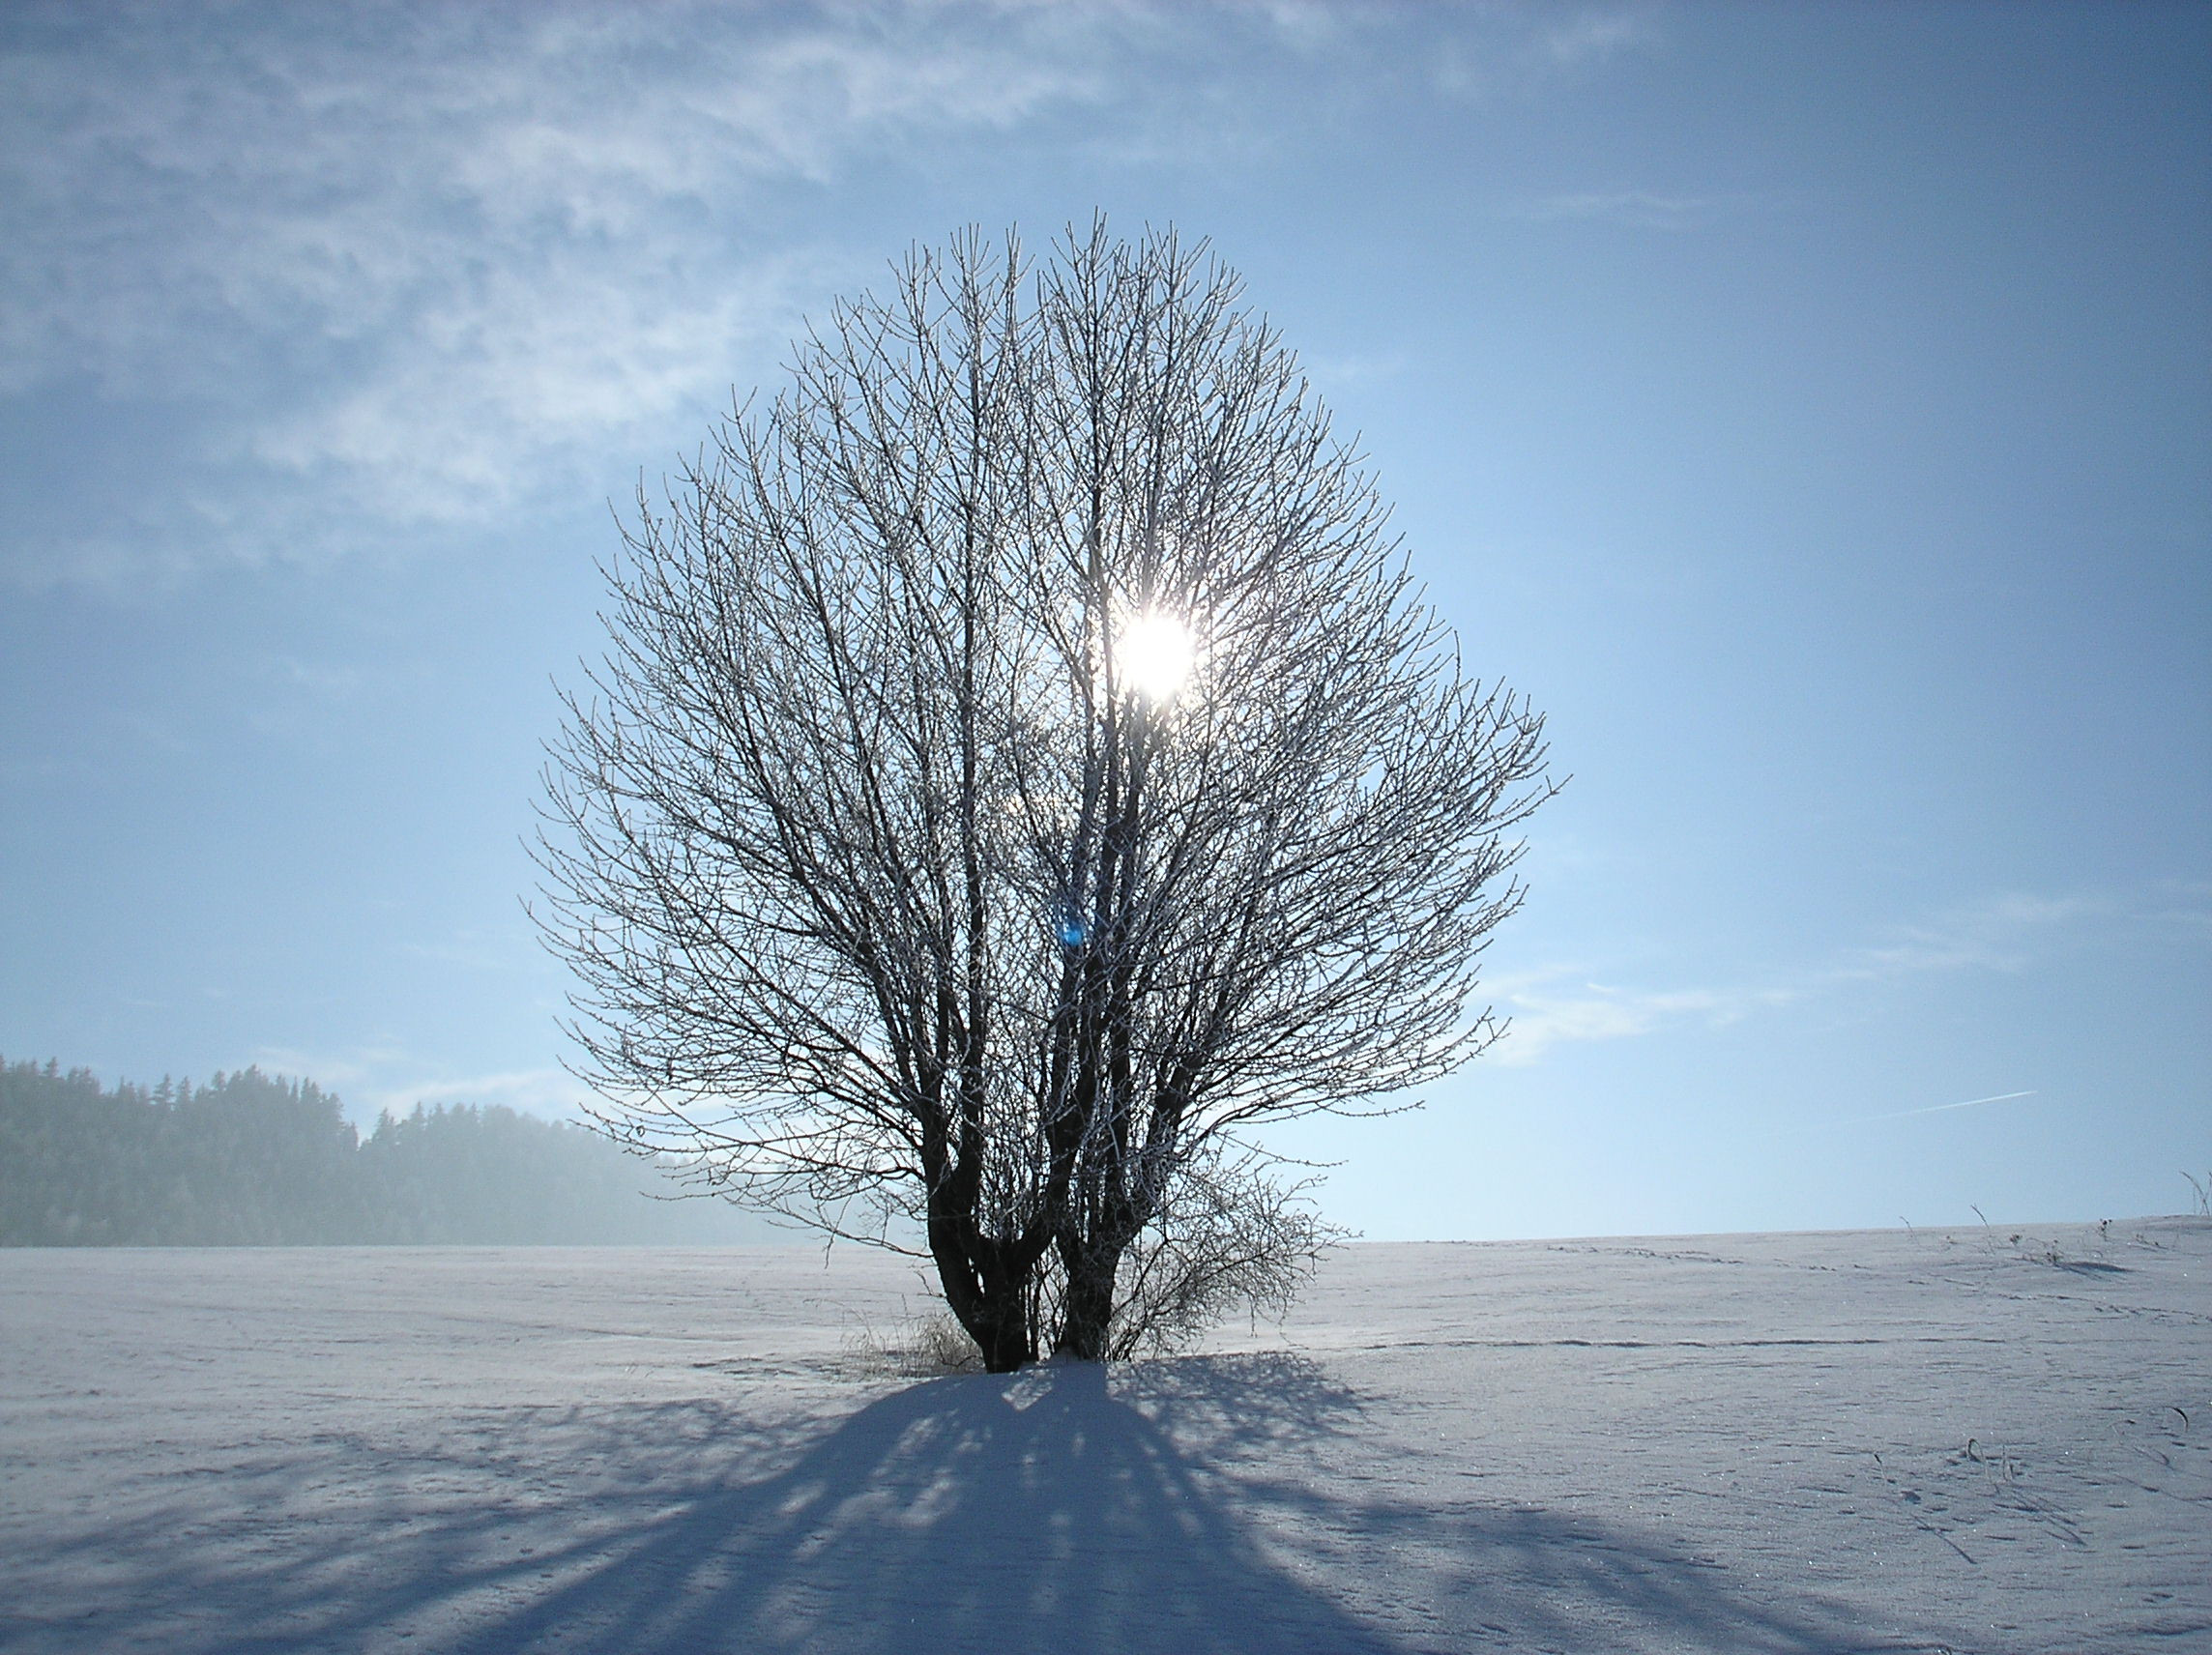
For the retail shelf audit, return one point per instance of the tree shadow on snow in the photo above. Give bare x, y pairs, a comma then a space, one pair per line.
1045, 1511
1161, 1513
1036, 1512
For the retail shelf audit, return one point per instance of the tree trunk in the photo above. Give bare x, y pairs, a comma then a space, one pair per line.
986, 1292
1087, 1314
1001, 1328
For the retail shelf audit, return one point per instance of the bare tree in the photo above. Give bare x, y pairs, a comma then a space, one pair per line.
1023, 764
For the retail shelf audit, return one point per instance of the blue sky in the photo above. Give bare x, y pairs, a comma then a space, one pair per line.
1810, 408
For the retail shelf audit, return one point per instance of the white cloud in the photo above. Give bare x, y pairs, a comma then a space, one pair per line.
379, 270
1535, 47
1547, 1010
420, 265
2185, 905
2008, 932
373, 1080
1641, 209
1353, 368
2004, 932
1598, 34
551, 1092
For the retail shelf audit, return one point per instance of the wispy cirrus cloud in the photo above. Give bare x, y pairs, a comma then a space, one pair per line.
362, 272
1598, 34
1557, 1006
2005, 933
2185, 906
1646, 209
2009, 932
417, 263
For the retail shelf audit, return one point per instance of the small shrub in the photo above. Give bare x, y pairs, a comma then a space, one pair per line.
920, 1347
1229, 1239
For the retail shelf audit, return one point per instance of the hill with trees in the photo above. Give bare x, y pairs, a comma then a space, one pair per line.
249, 1160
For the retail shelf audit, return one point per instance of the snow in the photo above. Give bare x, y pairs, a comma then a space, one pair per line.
1851, 1441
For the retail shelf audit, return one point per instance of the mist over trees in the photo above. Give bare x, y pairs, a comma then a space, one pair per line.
250, 1159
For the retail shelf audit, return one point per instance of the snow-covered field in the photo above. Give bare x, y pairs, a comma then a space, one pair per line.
1876, 1441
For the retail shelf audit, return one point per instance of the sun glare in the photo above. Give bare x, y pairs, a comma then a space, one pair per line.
1153, 654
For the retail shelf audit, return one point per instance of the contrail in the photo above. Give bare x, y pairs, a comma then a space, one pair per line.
1935, 1109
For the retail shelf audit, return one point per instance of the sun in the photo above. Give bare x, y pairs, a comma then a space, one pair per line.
1153, 653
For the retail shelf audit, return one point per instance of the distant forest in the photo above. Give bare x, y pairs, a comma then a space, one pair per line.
250, 1159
